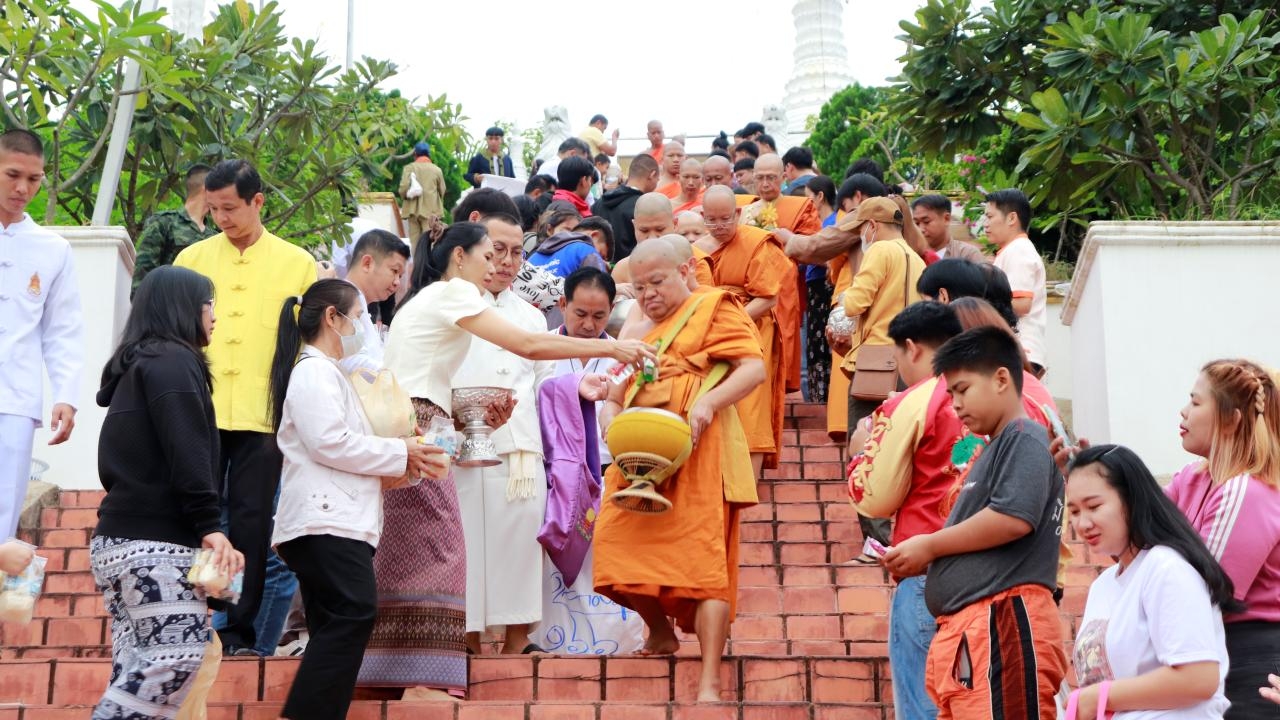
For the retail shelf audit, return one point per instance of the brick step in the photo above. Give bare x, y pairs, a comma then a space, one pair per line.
521, 679
475, 710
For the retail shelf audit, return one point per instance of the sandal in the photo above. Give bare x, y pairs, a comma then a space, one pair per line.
532, 649
865, 559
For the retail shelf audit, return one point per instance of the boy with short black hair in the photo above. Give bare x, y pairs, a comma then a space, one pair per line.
992, 569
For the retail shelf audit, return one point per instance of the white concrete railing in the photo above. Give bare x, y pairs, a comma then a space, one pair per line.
1150, 304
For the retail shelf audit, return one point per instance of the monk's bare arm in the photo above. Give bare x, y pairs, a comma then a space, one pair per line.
827, 243
758, 307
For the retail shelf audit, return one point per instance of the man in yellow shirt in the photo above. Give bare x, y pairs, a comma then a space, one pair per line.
593, 135
253, 272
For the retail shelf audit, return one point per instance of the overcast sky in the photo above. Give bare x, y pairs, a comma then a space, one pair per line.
698, 65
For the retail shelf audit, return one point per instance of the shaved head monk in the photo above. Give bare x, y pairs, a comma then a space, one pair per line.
691, 226
656, 137
773, 212
683, 563
717, 171
672, 159
750, 263
653, 219
690, 197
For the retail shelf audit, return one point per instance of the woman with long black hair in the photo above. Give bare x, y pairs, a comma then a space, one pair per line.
158, 460
1151, 642
329, 519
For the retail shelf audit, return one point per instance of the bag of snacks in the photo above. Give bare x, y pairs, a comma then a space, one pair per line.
18, 593
216, 584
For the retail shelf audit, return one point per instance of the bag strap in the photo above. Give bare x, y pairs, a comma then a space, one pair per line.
1073, 705
906, 278
664, 342
713, 378
1104, 694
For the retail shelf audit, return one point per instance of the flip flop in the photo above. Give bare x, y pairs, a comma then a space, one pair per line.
532, 648
865, 559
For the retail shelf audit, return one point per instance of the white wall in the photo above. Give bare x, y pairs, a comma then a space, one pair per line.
1150, 304
104, 259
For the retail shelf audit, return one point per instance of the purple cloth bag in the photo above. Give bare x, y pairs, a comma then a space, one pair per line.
572, 458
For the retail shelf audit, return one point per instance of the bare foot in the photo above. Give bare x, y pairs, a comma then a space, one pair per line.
660, 646
422, 694
709, 694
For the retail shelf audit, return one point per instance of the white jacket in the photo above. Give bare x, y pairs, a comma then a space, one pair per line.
40, 319
332, 459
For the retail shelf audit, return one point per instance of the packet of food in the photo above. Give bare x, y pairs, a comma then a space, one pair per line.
206, 576
440, 432
18, 593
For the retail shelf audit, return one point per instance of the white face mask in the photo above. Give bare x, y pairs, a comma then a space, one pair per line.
866, 242
353, 343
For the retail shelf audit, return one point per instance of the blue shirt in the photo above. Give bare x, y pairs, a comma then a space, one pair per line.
813, 273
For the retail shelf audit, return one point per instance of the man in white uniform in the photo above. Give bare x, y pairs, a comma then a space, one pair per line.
40, 323
377, 264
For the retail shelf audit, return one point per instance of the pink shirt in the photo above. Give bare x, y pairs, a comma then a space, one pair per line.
1240, 523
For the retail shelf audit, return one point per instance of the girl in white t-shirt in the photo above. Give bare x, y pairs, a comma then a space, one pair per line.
1151, 643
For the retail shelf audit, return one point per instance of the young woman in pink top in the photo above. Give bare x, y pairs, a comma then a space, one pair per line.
1232, 498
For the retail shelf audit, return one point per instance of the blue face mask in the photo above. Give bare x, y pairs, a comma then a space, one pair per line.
353, 343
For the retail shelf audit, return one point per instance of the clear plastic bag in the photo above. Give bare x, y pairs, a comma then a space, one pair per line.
18, 593
441, 433
207, 577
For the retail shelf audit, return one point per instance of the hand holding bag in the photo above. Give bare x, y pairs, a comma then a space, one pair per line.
386, 404
1073, 703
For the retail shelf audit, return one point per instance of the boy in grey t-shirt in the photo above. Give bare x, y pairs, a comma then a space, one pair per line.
992, 568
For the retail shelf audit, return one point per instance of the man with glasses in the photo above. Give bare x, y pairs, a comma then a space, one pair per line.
775, 211
750, 263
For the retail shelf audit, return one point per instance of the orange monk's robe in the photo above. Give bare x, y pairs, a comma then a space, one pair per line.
841, 274
753, 265
702, 268
671, 189
742, 200
689, 553
798, 215
694, 204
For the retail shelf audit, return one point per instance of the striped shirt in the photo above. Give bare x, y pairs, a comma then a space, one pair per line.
1240, 522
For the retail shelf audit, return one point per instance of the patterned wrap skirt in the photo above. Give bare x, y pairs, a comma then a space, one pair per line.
419, 639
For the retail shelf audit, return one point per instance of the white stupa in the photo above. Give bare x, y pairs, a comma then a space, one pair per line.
821, 62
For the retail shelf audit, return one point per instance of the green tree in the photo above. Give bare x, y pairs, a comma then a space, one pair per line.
1113, 107
318, 134
841, 134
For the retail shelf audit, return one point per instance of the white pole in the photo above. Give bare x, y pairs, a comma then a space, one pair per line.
119, 143
351, 35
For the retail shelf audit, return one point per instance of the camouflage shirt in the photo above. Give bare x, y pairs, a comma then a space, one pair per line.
164, 235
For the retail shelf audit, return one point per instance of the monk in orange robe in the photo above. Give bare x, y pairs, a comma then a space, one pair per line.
683, 563
750, 263
795, 214
653, 218
669, 177
690, 197
719, 171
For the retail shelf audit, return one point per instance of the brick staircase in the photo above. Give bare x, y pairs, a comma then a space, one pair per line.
809, 641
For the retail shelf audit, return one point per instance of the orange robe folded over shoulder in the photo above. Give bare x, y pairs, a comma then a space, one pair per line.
754, 265
694, 205
689, 553
702, 267
671, 189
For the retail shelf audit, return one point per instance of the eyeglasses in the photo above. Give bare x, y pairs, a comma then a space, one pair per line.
719, 223
768, 178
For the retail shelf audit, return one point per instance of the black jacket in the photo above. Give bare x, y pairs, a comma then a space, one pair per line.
480, 166
158, 453
618, 206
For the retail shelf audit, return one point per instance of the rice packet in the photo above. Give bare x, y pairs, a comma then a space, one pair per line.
18, 593
206, 576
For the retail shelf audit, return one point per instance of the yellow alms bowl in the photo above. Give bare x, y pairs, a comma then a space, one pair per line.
650, 431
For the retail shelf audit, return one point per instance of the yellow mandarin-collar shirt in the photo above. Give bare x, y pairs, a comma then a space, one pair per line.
250, 290
879, 292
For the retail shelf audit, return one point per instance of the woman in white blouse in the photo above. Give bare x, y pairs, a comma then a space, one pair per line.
419, 639
1151, 643
330, 514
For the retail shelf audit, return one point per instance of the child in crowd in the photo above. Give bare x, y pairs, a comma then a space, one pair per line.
991, 570
158, 461
903, 468
335, 469
1151, 638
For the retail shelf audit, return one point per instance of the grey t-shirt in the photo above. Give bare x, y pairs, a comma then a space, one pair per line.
1015, 475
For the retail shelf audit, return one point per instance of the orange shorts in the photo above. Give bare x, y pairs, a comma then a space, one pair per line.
1000, 657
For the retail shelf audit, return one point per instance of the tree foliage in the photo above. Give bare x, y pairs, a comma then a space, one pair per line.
1113, 107
842, 132
317, 133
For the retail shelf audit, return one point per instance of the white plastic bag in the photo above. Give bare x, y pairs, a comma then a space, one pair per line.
415, 187
578, 621
18, 593
388, 407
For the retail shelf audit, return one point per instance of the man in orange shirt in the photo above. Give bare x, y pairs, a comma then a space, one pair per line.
775, 211
750, 263
669, 178
683, 563
690, 197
